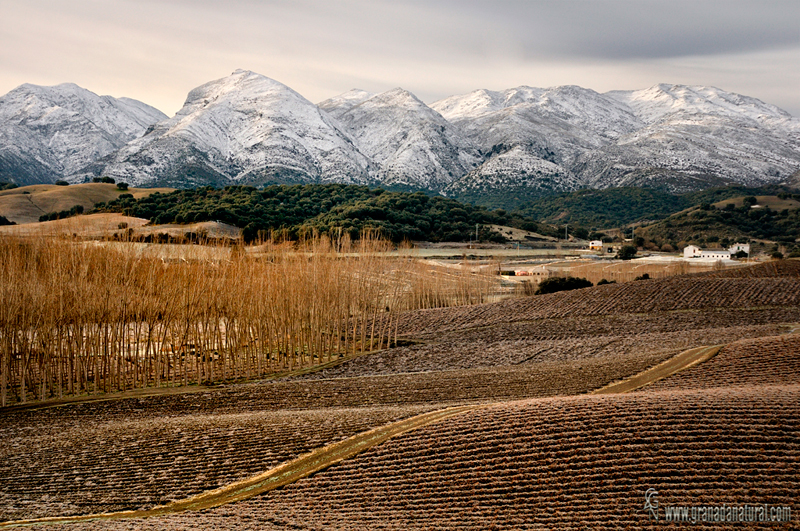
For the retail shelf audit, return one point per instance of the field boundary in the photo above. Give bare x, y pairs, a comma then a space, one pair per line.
178, 390
665, 369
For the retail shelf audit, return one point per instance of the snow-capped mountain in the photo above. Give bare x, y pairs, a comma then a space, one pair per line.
560, 123
249, 129
241, 129
694, 137
48, 133
412, 144
668, 136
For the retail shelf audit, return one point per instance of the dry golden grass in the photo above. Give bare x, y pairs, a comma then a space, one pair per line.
84, 227
22, 207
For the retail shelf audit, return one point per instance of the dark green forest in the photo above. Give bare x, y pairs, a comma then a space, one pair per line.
616, 207
298, 209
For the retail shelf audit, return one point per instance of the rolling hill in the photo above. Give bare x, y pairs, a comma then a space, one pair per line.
27, 203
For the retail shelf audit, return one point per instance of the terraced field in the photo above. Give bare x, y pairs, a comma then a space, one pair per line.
136, 453
136, 464
539, 454
527, 344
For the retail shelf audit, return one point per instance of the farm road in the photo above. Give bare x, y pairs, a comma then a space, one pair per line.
677, 363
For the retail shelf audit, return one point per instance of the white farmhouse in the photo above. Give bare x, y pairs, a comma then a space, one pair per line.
596, 245
692, 251
716, 254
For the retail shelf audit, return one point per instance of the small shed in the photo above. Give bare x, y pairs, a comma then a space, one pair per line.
738, 247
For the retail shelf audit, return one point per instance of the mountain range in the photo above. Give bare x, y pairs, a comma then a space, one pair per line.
518, 143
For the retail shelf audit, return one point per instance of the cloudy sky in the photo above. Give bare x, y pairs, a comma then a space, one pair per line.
156, 51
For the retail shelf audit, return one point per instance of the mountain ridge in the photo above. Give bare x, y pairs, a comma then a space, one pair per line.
49, 133
525, 141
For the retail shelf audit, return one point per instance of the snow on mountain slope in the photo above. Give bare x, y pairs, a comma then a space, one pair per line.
663, 101
412, 144
49, 133
338, 105
669, 136
242, 129
562, 120
705, 134
515, 172
558, 125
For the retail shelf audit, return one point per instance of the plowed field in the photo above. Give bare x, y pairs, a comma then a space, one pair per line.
578, 462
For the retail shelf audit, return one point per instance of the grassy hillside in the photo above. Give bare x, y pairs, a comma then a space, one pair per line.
27, 203
325, 208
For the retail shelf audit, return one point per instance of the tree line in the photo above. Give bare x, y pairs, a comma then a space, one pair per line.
325, 209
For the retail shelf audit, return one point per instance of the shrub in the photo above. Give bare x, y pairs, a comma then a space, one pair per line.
604, 281
61, 183
646, 276
122, 186
626, 252
5, 221
552, 285
74, 211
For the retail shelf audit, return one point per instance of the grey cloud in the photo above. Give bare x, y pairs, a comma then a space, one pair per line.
157, 50
632, 29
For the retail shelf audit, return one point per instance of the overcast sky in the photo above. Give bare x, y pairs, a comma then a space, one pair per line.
156, 51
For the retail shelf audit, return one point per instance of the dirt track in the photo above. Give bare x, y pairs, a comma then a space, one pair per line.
675, 364
277, 477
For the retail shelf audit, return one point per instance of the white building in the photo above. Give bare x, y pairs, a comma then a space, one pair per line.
596, 245
693, 251
740, 247
716, 254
